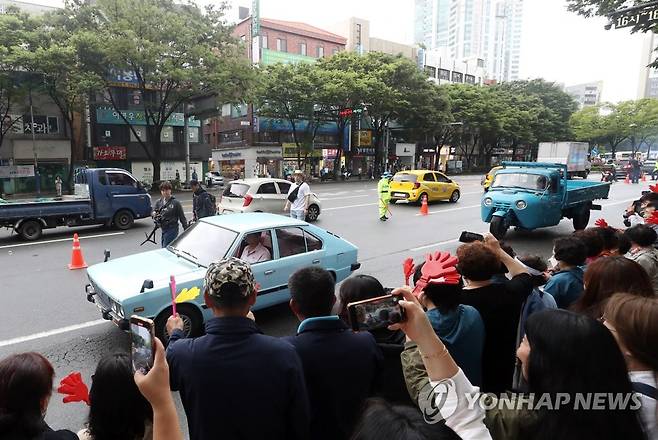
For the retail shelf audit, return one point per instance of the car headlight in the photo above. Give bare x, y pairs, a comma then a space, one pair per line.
487, 201
521, 204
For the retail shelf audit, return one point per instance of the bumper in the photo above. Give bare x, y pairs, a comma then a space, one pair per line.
105, 309
403, 195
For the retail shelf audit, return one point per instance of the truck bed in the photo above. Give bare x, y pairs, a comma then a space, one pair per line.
20, 209
579, 191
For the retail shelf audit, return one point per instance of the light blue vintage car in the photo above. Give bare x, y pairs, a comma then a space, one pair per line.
139, 284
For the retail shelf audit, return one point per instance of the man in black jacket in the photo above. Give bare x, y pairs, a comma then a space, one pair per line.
236, 383
167, 213
202, 202
340, 366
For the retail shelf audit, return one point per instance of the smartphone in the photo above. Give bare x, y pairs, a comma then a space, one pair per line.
470, 237
375, 313
143, 349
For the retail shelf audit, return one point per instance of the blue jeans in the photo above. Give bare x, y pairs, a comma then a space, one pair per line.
169, 235
298, 214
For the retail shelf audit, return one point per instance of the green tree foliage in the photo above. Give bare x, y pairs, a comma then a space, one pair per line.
176, 50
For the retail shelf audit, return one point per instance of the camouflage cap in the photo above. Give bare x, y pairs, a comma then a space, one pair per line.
229, 270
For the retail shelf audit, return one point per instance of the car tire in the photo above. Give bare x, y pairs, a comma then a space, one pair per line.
498, 227
123, 219
312, 213
192, 319
31, 230
454, 197
581, 219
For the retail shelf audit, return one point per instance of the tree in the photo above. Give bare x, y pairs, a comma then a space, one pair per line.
290, 92
601, 124
176, 51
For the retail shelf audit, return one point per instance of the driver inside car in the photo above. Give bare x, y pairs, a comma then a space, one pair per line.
255, 252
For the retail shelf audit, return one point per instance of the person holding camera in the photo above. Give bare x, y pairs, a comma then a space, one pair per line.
340, 366
167, 213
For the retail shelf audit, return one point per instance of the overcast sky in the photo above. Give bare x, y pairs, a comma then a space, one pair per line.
557, 45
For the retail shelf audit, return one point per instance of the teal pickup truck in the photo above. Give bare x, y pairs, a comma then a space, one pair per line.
531, 195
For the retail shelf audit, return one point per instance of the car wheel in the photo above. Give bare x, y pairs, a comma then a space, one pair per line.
313, 213
192, 322
454, 197
498, 227
31, 230
123, 219
581, 219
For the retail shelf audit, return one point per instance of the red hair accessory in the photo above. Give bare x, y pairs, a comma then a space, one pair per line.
408, 267
74, 388
653, 219
653, 188
439, 268
601, 223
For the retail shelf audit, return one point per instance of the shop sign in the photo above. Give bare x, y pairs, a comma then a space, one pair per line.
290, 150
110, 153
365, 151
330, 153
12, 171
365, 138
231, 155
107, 115
269, 152
407, 150
429, 150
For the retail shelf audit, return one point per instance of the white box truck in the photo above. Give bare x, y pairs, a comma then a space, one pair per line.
573, 154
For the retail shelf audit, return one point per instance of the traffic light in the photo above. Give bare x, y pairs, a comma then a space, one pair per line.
345, 113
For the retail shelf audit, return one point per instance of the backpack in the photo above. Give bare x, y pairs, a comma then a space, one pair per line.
213, 203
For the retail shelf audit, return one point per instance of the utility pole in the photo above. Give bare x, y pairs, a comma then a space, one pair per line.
37, 177
186, 133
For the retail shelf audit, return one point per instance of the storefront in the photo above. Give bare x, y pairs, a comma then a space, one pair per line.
404, 156
250, 162
311, 162
269, 161
362, 162
174, 171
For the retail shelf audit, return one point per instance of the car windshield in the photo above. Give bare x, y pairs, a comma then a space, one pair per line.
203, 243
405, 178
534, 182
236, 190
215, 173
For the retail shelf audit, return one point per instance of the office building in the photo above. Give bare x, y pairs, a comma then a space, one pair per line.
648, 82
586, 94
358, 39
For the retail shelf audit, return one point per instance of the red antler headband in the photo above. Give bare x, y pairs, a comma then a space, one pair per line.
439, 268
601, 223
653, 188
653, 219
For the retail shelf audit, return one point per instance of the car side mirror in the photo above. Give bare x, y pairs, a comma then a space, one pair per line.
147, 284
106, 253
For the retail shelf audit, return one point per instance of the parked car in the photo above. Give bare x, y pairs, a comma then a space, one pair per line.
214, 178
488, 178
261, 194
413, 185
139, 283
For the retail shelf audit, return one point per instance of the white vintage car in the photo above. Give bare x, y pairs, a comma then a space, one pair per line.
261, 195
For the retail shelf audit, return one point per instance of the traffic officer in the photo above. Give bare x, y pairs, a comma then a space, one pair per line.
167, 213
384, 194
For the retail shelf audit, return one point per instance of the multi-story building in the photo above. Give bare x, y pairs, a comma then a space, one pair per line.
443, 69
648, 84
251, 145
357, 32
586, 94
29, 7
486, 29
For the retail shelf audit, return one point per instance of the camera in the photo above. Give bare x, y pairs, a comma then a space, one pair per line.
470, 237
375, 313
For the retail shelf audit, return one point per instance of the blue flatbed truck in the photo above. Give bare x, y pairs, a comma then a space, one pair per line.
109, 196
531, 195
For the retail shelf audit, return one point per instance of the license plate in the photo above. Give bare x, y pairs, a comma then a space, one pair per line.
397, 194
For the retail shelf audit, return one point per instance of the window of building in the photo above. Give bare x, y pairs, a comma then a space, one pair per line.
334, 51
470, 79
263, 41
281, 45
430, 71
238, 110
457, 77
243, 37
226, 110
167, 134
302, 48
320, 52
230, 136
444, 74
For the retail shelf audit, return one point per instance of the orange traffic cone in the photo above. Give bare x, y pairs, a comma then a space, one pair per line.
423, 206
77, 260
627, 179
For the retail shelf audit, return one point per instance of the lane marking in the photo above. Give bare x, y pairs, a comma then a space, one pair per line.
619, 202
58, 240
343, 198
48, 333
350, 206
441, 243
451, 210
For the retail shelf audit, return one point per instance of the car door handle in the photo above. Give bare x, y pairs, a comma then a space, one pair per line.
316, 261
269, 272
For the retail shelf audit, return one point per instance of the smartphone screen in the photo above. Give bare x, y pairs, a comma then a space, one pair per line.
375, 313
141, 331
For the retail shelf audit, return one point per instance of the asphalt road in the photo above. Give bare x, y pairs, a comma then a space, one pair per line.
45, 309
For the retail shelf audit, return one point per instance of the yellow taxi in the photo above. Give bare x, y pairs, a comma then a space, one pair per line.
414, 184
489, 177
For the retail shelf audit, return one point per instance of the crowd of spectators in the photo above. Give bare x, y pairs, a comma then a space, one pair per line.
502, 330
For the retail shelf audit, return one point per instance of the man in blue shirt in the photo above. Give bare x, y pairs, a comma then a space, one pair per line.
340, 365
235, 382
566, 285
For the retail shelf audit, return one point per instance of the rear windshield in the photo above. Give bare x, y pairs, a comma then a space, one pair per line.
215, 173
405, 178
236, 190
